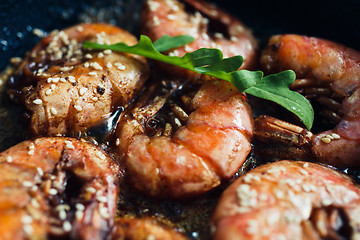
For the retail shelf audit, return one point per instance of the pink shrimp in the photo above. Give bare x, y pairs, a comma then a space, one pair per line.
289, 200
143, 229
211, 27
184, 142
57, 187
329, 75
67, 88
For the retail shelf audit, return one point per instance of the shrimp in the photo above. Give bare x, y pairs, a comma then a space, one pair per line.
57, 187
67, 88
183, 141
210, 26
143, 229
289, 200
329, 74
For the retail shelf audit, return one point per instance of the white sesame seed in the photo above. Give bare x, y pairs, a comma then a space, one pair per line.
107, 51
35, 203
79, 215
55, 80
70, 146
101, 199
37, 101
304, 172
27, 184
329, 136
326, 202
52, 177
92, 73
48, 91
28, 229
205, 36
82, 91
62, 207
65, 69
100, 155
95, 99
53, 111
91, 190
120, 66
86, 64
71, 79
78, 108
153, 5
233, 39
156, 21
88, 56
100, 55
62, 80
40, 171
219, 35
26, 219
67, 226
53, 191
326, 140
109, 65
80, 207
171, 17
305, 165
104, 213
62, 214
335, 136
31, 152
80, 28
96, 66
9, 159
52, 86
117, 143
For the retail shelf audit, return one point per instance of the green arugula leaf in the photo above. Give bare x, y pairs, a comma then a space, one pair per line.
166, 42
209, 61
276, 88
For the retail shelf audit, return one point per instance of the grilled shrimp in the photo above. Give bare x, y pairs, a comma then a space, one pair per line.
57, 188
143, 229
178, 142
211, 27
329, 75
289, 200
67, 88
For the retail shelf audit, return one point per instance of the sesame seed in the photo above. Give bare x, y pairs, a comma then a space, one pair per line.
53, 111
31, 146
95, 99
104, 213
305, 165
88, 56
205, 36
335, 136
86, 64
101, 199
96, 66
67, 226
82, 91
40, 171
219, 35
53, 191
28, 229
107, 51
171, 17
31, 152
109, 65
92, 73
233, 39
52, 86
79, 215
9, 159
117, 143
52, 177
34, 188
80, 207
100, 55
78, 108
35, 203
119, 66
100, 155
26, 219
55, 80
91, 189
48, 91
156, 21
65, 69
329, 136
188, 48
62, 80
326, 140
62, 207
153, 5
304, 172
80, 28
326, 202
71, 79
27, 184
62, 214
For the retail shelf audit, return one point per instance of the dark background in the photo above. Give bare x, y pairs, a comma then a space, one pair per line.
336, 20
